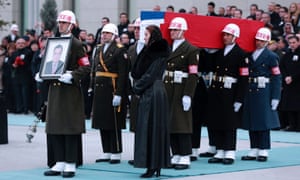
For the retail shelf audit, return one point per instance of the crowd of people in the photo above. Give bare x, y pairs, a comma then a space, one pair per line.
170, 91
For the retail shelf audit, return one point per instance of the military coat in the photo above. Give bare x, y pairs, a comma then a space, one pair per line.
65, 110
257, 112
185, 58
104, 114
221, 115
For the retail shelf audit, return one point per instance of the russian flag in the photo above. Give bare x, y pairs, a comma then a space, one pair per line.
203, 31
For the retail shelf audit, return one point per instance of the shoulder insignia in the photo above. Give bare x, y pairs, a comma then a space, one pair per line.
119, 45
99, 45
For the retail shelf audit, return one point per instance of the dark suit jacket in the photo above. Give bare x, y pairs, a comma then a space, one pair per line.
59, 70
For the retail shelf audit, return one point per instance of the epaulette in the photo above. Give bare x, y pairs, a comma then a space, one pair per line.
99, 45
119, 45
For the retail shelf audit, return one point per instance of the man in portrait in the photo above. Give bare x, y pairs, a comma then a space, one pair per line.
55, 66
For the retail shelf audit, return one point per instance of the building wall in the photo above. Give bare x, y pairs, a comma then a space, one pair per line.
90, 12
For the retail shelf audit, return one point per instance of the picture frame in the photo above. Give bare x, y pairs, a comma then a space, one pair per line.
54, 61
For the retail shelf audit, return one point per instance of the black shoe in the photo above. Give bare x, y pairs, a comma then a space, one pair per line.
207, 154
193, 158
248, 158
181, 166
215, 160
150, 172
262, 158
131, 162
68, 174
228, 161
52, 173
102, 160
115, 161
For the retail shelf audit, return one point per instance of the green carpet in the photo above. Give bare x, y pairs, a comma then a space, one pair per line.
279, 157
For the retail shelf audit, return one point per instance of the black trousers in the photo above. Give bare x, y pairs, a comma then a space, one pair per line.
3, 121
181, 144
64, 148
260, 139
224, 139
111, 141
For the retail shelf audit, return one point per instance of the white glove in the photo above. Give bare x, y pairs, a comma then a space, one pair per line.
274, 104
186, 103
66, 78
237, 106
37, 78
116, 100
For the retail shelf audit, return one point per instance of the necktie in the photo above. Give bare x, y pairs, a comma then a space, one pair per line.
54, 67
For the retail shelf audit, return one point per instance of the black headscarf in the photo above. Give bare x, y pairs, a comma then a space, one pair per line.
157, 47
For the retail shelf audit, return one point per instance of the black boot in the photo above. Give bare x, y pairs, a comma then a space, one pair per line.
150, 172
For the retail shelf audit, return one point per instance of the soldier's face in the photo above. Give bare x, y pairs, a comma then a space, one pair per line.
176, 34
106, 37
228, 39
260, 44
64, 27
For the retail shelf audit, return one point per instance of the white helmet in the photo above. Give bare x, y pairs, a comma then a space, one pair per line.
263, 34
66, 16
178, 23
137, 22
232, 29
110, 27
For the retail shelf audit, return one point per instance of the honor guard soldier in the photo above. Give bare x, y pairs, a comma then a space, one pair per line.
133, 53
65, 120
261, 101
110, 76
226, 95
180, 81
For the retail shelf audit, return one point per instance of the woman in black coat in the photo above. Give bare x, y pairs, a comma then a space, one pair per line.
152, 146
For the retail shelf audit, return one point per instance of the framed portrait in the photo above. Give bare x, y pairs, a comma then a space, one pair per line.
55, 58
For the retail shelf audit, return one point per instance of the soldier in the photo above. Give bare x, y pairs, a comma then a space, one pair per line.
65, 113
199, 106
225, 95
180, 82
290, 101
109, 108
133, 53
262, 98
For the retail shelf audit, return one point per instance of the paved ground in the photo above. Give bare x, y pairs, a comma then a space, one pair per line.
21, 155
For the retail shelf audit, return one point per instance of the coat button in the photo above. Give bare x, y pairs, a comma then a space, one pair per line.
250, 90
166, 81
58, 84
54, 84
226, 69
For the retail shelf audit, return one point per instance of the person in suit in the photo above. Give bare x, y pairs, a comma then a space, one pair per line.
262, 97
110, 79
290, 101
55, 66
65, 120
180, 81
226, 95
152, 143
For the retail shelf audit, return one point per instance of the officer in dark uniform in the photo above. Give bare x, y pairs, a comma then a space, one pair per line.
180, 82
226, 94
199, 105
133, 53
110, 75
262, 98
290, 101
65, 113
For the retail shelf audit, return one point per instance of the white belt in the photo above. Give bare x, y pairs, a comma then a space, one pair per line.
259, 78
224, 78
171, 74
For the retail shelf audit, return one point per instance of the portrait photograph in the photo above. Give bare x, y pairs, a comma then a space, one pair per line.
54, 61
